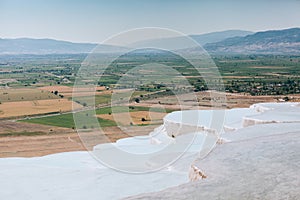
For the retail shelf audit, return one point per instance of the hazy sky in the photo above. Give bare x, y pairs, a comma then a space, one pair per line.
95, 20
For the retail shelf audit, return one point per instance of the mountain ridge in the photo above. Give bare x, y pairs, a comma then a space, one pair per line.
286, 41
42, 46
53, 46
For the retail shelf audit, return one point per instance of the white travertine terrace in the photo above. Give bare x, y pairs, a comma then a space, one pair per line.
77, 175
238, 118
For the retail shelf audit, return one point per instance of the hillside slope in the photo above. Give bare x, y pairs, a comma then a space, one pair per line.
269, 42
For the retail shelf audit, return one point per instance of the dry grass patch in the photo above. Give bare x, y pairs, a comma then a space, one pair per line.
27, 108
135, 117
60, 88
68, 91
24, 94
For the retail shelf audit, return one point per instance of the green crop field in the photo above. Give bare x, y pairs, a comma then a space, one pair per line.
86, 118
120, 109
67, 120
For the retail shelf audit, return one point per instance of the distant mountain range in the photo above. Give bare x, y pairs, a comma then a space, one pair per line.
226, 42
219, 36
42, 46
50, 46
269, 42
180, 42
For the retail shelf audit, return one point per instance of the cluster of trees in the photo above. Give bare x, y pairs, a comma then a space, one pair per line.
260, 87
56, 93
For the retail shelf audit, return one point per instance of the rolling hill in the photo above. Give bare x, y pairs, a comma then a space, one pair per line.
42, 46
202, 39
226, 42
50, 46
268, 42
219, 36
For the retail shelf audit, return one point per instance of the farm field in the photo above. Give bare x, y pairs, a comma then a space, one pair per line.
105, 118
67, 121
20, 109
25, 94
135, 118
47, 135
41, 85
67, 91
57, 141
